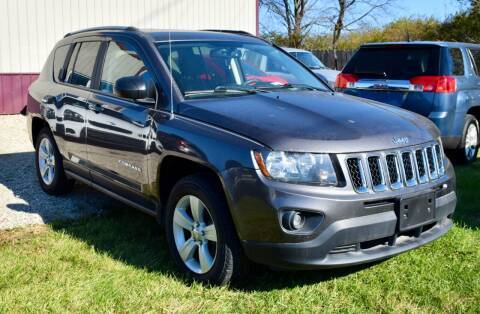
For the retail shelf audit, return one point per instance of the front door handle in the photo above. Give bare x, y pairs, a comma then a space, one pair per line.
97, 108
49, 99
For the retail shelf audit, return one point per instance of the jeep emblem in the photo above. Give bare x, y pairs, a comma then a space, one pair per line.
400, 140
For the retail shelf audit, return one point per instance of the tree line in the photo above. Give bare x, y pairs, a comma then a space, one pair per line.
297, 24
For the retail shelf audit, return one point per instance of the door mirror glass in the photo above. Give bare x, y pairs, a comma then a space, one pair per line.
135, 87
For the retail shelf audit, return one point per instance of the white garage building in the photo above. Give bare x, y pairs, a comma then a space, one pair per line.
30, 28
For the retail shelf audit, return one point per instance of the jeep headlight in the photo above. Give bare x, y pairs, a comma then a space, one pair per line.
304, 168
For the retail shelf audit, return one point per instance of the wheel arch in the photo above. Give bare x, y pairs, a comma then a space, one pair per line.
37, 125
173, 168
474, 111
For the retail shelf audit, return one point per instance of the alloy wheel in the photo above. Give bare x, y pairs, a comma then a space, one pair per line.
195, 234
471, 141
46, 161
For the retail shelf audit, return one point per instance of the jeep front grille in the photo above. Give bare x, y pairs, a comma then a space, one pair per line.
376, 173
406, 167
357, 174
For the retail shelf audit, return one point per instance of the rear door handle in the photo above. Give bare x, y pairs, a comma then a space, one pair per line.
97, 108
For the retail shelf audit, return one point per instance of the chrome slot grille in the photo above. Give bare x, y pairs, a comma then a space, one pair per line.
393, 171
357, 174
432, 170
408, 170
421, 166
380, 171
376, 173
438, 153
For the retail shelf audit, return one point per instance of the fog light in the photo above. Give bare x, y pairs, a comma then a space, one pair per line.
294, 220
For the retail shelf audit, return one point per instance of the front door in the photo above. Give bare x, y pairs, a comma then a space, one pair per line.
119, 129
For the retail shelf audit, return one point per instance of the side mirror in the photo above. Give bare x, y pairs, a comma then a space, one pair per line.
136, 88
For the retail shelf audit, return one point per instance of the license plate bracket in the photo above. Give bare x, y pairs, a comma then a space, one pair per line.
416, 211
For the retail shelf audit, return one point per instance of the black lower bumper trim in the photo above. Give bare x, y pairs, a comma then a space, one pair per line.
374, 237
287, 257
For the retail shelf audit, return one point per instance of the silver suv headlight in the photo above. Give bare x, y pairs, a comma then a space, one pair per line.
303, 168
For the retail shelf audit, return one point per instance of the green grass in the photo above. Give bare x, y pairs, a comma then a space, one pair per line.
118, 263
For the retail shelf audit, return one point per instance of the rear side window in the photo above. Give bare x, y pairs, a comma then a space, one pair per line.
121, 60
82, 73
457, 61
59, 61
476, 60
395, 62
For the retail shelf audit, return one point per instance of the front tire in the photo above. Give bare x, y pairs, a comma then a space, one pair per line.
49, 165
468, 150
200, 234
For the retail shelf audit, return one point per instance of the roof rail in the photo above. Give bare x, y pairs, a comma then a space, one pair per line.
229, 31
103, 28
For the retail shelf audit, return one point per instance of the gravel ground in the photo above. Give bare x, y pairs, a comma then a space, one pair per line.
22, 202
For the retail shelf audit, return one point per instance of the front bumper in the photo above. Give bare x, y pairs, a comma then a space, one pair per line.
354, 241
354, 229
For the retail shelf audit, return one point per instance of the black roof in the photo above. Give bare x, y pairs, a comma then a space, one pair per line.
166, 34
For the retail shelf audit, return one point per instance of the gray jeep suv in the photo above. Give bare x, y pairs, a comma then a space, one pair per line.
238, 149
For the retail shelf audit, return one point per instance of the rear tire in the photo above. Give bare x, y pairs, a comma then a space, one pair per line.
49, 165
468, 150
216, 257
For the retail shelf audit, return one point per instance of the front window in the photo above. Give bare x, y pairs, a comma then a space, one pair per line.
121, 60
310, 60
226, 68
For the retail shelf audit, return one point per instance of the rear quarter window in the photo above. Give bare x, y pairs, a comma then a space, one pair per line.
457, 67
59, 62
395, 62
476, 60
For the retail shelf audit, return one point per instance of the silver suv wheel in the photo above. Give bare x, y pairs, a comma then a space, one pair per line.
46, 161
471, 141
195, 234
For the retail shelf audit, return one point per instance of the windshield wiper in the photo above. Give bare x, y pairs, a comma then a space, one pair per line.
221, 90
228, 89
297, 86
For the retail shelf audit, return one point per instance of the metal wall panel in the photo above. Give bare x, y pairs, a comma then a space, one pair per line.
30, 28
13, 91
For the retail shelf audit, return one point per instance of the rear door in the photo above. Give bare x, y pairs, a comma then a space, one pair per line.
384, 73
74, 78
119, 129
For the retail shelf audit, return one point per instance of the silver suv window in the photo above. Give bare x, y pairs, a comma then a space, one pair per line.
457, 61
475, 57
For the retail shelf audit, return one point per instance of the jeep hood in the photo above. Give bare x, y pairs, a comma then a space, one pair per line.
311, 121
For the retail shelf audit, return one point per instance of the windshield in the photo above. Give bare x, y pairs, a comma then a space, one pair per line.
225, 68
310, 60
